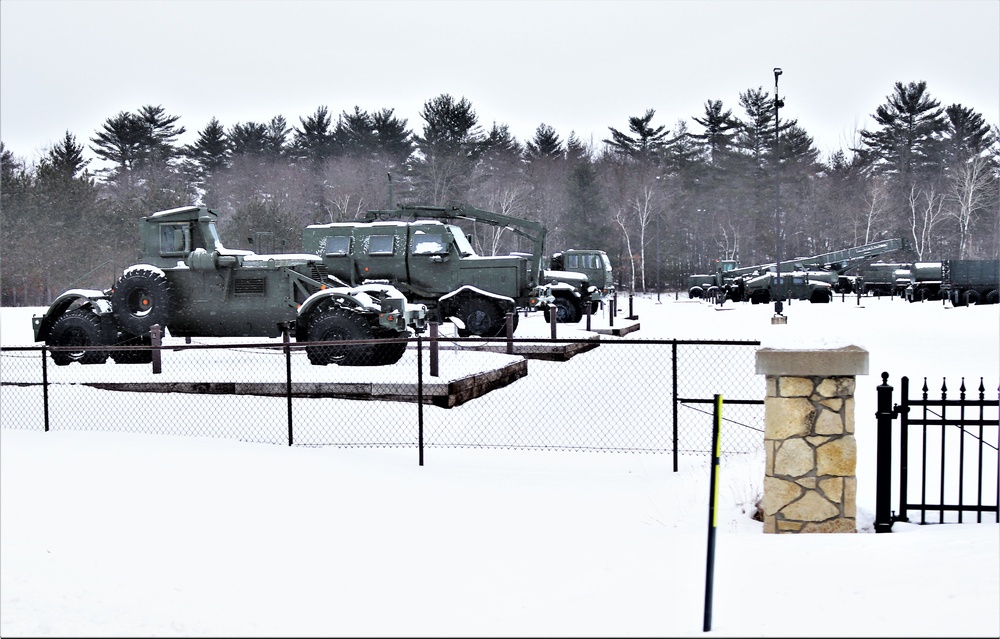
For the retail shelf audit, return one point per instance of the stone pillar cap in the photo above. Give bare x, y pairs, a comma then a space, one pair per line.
812, 362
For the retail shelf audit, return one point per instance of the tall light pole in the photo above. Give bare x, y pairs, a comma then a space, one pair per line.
777, 197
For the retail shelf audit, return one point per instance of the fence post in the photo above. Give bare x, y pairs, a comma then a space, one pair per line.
45, 385
288, 377
420, 399
883, 456
673, 395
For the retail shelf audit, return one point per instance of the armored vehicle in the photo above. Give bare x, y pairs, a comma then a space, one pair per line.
422, 251
190, 284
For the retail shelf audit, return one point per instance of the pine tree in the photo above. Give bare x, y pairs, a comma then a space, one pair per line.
545, 144
646, 145
910, 124
448, 150
314, 141
210, 152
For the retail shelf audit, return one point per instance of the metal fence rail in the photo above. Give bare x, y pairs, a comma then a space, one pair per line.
637, 396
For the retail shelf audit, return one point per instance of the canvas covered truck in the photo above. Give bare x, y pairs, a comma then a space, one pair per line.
191, 285
963, 282
423, 252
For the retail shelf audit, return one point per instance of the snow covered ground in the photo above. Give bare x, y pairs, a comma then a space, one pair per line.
117, 534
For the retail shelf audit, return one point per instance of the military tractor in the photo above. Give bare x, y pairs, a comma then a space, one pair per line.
422, 251
813, 278
192, 286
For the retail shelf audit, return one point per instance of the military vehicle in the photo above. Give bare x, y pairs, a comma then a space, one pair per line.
964, 282
595, 264
191, 285
882, 278
425, 253
813, 278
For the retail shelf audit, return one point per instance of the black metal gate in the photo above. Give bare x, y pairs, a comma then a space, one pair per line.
947, 451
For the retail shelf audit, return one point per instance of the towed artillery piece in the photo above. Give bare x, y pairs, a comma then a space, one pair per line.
190, 284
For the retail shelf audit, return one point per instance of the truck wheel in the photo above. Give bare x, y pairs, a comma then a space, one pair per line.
992, 297
481, 317
77, 328
566, 311
144, 356
695, 292
388, 353
820, 297
971, 298
333, 324
140, 299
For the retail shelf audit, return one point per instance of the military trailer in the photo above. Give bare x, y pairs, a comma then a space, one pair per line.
963, 282
191, 285
424, 253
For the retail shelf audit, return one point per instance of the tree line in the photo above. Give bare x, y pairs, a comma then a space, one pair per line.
663, 201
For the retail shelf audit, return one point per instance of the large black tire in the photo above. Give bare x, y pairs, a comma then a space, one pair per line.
820, 296
971, 298
567, 311
481, 317
140, 299
333, 324
760, 297
144, 356
389, 352
79, 327
992, 297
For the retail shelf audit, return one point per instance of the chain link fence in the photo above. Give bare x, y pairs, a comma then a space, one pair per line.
620, 395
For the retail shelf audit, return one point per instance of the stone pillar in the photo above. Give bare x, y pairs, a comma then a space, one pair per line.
810, 483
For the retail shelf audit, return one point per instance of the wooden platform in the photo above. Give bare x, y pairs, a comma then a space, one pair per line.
445, 393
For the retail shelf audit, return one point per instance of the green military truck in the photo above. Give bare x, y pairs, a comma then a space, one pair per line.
190, 284
424, 252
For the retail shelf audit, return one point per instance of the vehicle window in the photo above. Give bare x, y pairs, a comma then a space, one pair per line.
172, 239
338, 245
429, 244
380, 244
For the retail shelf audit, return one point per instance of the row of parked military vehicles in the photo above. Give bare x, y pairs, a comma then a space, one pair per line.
372, 283
853, 270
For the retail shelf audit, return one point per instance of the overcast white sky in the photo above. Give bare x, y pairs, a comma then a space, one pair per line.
577, 65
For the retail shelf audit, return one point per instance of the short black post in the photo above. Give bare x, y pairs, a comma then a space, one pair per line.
590, 306
553, 317
883, 456
434, 349
510, 333
157, 343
